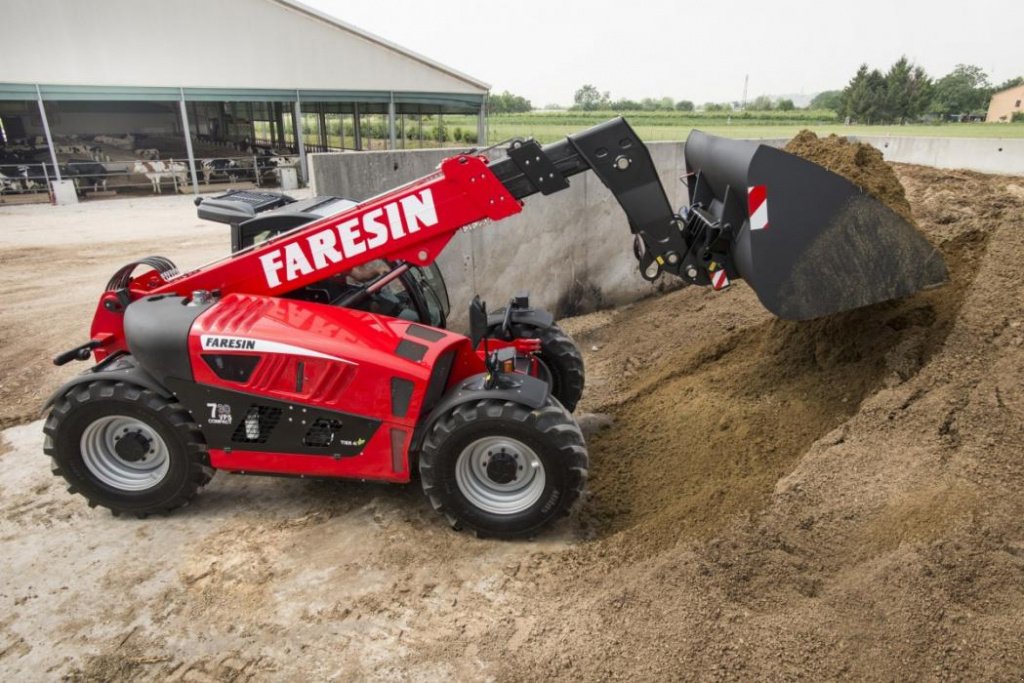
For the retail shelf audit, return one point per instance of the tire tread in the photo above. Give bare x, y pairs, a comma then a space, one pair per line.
174, 417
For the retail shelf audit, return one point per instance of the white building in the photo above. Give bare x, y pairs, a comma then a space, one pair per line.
229, 71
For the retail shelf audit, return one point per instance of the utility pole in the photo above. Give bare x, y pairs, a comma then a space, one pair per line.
746, 82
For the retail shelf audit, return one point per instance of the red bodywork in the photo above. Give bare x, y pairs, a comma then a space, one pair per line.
347, 365
348, 357
463, 192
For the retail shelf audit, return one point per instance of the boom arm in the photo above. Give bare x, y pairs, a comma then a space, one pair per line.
823, 247
413, 223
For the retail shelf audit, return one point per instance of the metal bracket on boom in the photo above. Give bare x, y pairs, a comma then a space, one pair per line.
620, 160
534, 163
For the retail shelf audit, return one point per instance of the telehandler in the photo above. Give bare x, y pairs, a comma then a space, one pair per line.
318, 348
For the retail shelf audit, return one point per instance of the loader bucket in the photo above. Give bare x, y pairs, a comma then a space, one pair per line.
809, 242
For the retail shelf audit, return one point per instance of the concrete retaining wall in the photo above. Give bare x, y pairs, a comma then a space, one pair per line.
573, 250
987, 155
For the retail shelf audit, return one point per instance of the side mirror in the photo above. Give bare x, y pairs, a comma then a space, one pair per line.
477, 321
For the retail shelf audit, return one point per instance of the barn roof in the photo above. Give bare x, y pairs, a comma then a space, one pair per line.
225, 50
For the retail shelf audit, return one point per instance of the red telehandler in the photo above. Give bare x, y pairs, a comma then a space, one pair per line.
276, 360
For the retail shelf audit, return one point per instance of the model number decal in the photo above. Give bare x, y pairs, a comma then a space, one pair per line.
220, 414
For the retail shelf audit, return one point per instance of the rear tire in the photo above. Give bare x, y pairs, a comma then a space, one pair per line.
501, 469
561, 360
126, 448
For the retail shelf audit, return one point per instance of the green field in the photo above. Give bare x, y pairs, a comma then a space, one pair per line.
547, 126
550, 126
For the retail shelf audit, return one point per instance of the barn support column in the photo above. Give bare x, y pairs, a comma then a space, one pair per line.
481, 124
46, 130
279, 139
392, 139
299, 141
358, 129
188, 144
272, 123
321, 126
252, 126
61, 191
282, 139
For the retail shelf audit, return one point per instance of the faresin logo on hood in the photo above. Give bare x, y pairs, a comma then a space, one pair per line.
351, 237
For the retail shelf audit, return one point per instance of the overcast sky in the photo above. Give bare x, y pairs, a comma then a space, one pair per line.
545, 49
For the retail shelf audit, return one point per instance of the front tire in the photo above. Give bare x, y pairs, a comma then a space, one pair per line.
126, 448
503, 470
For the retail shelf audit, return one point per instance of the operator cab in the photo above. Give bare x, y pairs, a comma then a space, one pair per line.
417, 294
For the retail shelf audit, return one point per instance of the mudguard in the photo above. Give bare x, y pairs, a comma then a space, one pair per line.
523, 389
121, 368
537, 317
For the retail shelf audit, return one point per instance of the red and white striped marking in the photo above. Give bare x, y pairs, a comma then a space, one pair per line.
719, 280
757, 206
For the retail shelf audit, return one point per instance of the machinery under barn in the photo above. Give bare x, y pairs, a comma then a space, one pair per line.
90, 123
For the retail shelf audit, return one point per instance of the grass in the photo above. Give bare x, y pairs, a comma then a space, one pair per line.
548, 126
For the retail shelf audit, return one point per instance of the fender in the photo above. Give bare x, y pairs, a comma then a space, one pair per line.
522, 389
537, 317
120, 368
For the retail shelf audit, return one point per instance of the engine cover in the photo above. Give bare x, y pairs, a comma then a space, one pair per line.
292, 387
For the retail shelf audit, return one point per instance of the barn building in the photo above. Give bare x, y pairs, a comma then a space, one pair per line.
117, 84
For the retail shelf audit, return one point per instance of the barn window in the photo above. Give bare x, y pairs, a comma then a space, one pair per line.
1018, 104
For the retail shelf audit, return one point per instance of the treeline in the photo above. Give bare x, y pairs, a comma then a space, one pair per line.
589, 98
905, 92
507, 103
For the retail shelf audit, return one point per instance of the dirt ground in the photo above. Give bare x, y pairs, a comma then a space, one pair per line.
768, 500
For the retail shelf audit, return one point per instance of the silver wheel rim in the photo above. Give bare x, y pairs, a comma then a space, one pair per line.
475, 482
99, 443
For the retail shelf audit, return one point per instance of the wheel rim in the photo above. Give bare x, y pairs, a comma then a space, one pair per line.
139, 470
500, 475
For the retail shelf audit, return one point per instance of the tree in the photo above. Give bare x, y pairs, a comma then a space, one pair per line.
961, 91
828, 99
625, 104
715, 106
864, 96
908, 91
785, 105
1008, 83
760, 103
507, 103
684, 105
589, 98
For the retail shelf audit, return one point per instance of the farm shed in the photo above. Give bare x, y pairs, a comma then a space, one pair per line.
1005, 104
119, 82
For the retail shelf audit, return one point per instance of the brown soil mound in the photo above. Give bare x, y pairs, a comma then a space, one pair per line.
832, 500
710, 432
859, 163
